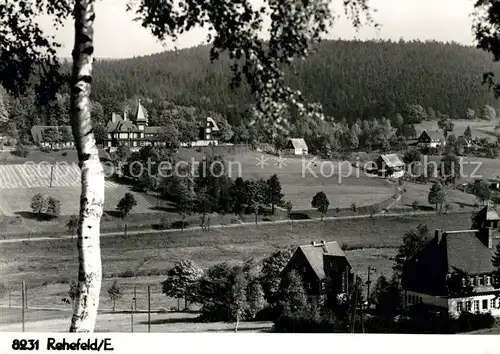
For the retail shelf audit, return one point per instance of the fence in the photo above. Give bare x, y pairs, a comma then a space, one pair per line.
135, 300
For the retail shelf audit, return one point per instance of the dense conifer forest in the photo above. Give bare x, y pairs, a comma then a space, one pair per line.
364, 87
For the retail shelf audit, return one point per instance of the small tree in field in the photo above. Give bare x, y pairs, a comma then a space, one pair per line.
289, 208
275, 196
321, 203
115, 292
482, 191
126, 204
181, 281
437, 195
72, 225
415, 206
53, 207
39, 204
354, 207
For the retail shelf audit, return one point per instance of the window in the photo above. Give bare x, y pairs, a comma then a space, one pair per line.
473, 281
141, 127
421, 300
304, 269
485, 304
476, 305
460, 306
493, 303
481, 280
488, 280
468, 306
308, 286
410, 299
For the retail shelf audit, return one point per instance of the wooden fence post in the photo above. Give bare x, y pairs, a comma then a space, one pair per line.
22, 306
149, 308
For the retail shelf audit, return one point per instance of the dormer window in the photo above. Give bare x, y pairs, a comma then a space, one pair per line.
481, 281
488, 280
473, 281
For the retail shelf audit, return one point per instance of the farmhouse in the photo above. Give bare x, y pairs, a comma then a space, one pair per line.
427, 277
317, 263
52, 136
431, 139
390, 165
297, 147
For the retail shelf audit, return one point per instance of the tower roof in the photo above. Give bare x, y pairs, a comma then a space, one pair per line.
141, 114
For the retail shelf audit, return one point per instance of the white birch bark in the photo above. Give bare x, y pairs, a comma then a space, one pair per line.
92, 175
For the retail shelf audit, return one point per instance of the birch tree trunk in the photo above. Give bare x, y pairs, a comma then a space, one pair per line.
92, 175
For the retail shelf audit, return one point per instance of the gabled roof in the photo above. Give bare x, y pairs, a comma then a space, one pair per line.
467, 252
298, 143
392, 160
215, 127
488, 213
435, 135
120, 125
314, 255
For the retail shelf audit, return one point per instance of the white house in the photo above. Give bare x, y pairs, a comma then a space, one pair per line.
297, 147
426, 276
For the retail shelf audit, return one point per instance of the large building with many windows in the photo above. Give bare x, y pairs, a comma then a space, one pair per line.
131, 131
428, 276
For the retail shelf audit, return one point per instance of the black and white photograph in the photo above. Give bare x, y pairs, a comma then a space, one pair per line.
248, 167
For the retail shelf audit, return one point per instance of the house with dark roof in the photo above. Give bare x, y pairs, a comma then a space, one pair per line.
318, 263
389, 165
297, 146
134, 132
431, 139
426, 276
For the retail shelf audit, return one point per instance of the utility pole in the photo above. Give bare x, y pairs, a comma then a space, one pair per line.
10, 299
368, 282
135, 297
25, 297
149, 308
22, 300
132, 317
51, 174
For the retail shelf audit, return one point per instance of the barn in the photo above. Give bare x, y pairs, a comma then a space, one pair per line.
297, 146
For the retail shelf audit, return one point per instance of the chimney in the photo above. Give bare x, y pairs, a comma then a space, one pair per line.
125, 115
322, 242
486, 237
113, 117
313, 243
438, 235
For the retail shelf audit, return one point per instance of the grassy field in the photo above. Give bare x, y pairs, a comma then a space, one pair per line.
474, 167
479, 128
48, 266
457, 199
58, 321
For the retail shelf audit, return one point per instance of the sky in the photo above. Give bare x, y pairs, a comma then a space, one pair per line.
118, 36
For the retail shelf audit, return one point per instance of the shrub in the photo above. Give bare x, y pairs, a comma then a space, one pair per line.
21, 151
64, 153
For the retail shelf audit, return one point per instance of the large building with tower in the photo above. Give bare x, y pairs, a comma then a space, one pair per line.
131, 131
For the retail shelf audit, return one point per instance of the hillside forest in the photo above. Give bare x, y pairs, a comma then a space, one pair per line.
369, 90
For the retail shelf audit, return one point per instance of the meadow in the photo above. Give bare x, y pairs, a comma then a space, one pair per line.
47, 267
479, 128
